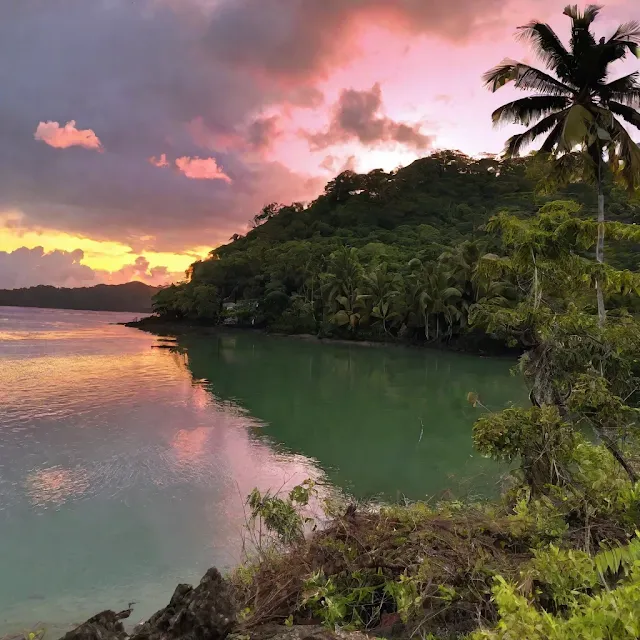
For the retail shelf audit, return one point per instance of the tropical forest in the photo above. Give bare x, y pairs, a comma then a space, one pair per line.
533, 254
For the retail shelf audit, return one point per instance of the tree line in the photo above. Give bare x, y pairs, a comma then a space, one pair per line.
132, 296
393, 256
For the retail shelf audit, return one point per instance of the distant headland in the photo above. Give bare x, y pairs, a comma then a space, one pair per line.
132, 296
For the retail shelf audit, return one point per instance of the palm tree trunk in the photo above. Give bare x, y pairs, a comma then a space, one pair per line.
536, 284
602, 313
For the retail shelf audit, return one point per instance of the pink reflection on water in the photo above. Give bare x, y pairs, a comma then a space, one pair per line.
189, 444
56, 485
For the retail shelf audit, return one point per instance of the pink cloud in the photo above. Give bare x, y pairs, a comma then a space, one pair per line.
160, 162
357, 116
201, 169
59, 137
26, 267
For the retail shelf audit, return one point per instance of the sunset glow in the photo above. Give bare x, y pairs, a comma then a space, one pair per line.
207, 111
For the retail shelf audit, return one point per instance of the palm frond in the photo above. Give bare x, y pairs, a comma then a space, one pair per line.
499, 75
612, 559
547, 46
578, 124
524, 77
624, 83
516, 143
591, 12
564, 169
629, 114
624, 156
527, 110
627, 32
553, 138
625, 90
582, 40
626, 39
616, 50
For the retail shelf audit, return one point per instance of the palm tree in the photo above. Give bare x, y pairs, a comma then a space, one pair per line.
341, 287
411, 305
343, 275
464, 264
382, 287
439, 299
575, 105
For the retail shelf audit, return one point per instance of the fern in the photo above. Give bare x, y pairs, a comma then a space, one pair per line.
614, 559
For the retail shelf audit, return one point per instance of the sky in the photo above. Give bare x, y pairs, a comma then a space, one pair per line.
137, 135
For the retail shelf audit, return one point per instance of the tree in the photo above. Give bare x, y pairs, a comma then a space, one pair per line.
442, 299
576, 107
267, 212
341, 287
383, 288
438, 297
344, 185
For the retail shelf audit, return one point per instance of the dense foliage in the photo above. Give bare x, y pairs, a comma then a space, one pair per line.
133, 296
388, 255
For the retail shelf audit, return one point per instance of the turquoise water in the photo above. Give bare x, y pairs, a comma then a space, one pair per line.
123, 466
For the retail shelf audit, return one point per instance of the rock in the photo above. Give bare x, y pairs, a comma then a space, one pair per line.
103, 626
204, 613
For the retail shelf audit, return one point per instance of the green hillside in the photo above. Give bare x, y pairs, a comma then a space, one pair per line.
392, 255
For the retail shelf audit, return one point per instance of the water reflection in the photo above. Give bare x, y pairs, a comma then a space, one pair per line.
124, 467
190, 445
360, 411
56, 485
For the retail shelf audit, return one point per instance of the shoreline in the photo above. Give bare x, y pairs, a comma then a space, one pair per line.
158, 326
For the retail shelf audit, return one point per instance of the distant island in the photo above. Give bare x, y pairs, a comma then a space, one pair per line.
132, 296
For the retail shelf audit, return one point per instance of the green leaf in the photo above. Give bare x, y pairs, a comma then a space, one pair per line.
341, 318
576, 127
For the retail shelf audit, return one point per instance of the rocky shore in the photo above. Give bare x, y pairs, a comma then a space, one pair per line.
193, 613
205, 612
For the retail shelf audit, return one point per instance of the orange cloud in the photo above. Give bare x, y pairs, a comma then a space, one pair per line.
201, 169
159, 162
59, 137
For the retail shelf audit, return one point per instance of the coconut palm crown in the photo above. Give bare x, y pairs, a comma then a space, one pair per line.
576, 107
575, 103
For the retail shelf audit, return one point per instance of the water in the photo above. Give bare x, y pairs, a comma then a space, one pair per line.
123, 467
